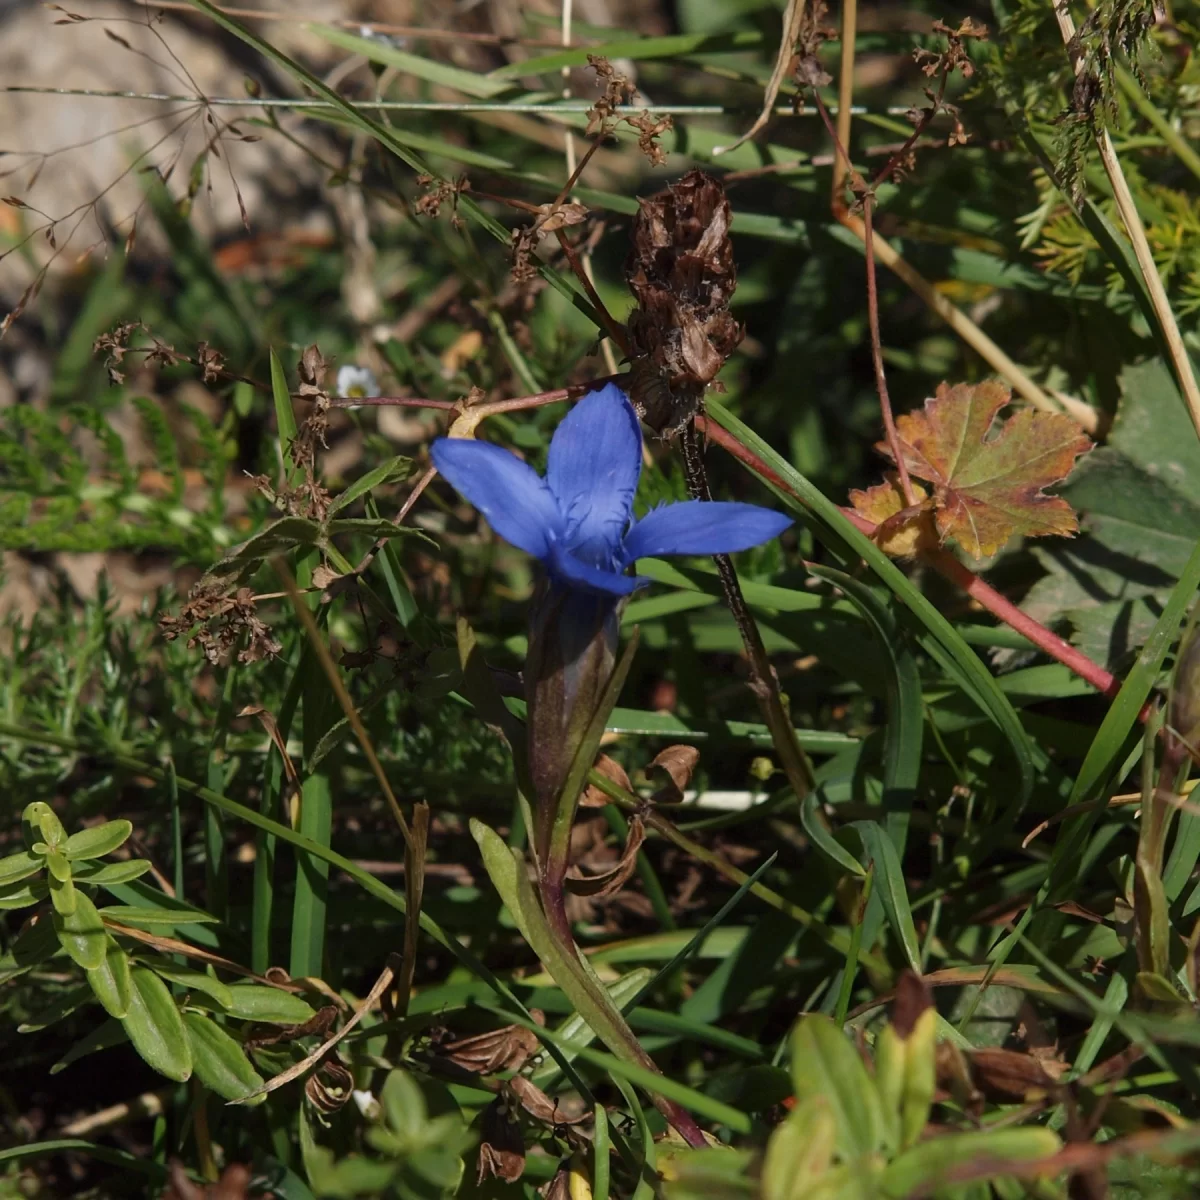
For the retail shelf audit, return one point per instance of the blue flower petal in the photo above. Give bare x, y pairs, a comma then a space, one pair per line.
580, 576
702, 527
593, 467
509, 493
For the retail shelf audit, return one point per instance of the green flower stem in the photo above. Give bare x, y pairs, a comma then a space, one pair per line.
834, 938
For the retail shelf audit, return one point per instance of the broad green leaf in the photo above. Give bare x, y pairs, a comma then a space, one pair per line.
82, 933
258, 1002
825, 1063
800, 1151
97, 841
391, 471
220, 1061
23, 864
1141, 516
922, 1166
112, 981
156, 1028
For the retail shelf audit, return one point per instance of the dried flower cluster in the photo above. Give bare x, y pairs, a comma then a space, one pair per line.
682, 274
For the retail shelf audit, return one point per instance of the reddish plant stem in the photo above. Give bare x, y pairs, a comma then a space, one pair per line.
885, 401
948, 566
611, 325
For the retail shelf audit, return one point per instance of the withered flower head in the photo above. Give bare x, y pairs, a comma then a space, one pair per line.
682, 274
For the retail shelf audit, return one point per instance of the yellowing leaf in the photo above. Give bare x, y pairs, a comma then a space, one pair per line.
988, 488
899, 531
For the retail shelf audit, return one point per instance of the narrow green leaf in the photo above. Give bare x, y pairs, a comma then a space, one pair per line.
62, 1006
112, 981
155, 1027
132, 914
638, 48
105, 1154
391, 471
576, 1029
102, 874
821, 837
103, 1037
97, 841
220, 1061
940, 638
889, 875
443, 74
285, 415
82, 933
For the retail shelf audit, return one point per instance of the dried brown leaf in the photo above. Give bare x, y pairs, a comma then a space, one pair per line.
612, 881
678, 763
592, 796
506, 1049
501, 1146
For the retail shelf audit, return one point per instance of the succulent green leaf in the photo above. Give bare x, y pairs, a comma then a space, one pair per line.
920, 1167
112, 981
257, 1002
22, 895
156, 1028
97, 841
23, 864
825, 1063
220, 1061
63, 894
104, 874
82, 933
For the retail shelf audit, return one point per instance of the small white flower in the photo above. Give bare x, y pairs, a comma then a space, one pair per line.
355, 382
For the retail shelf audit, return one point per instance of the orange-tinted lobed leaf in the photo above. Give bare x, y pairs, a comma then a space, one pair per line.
987, 489
899, 531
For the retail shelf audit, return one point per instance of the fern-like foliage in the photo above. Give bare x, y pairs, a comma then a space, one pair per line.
66, 482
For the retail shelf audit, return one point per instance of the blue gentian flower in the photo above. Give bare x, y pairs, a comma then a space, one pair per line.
578, 520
